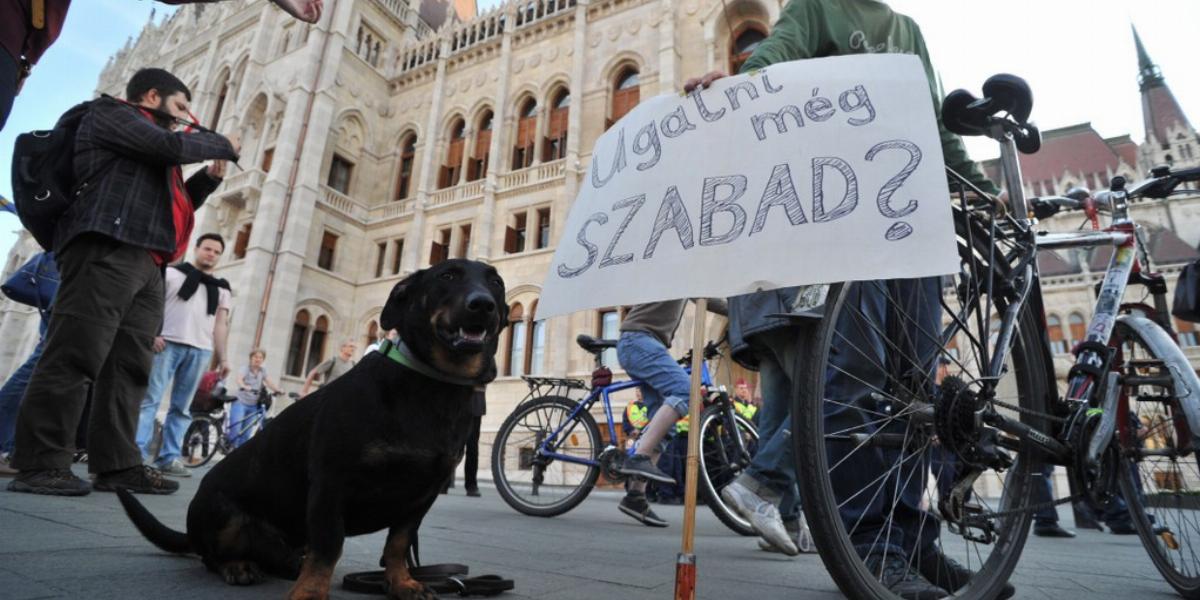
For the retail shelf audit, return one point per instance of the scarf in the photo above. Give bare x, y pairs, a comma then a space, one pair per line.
193, 281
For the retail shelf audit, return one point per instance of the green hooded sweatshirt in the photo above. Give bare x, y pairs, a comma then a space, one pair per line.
819, 28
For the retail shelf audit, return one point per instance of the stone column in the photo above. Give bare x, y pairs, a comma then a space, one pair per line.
487, 215
249, 284
668, 56
539, 132
559, 345
468, 134
413, 244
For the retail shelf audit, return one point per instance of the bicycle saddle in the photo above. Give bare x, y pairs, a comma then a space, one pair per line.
594, 345
964, 114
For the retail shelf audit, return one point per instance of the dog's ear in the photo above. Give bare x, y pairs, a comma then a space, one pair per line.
393, 309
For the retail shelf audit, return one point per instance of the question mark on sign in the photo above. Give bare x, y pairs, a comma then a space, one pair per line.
900, 229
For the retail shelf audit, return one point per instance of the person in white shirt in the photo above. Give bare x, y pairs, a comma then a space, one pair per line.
194, 331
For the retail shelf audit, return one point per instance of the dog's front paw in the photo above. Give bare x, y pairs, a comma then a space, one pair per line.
410, 589
240, 572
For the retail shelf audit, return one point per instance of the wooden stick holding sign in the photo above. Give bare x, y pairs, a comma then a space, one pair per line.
685, 566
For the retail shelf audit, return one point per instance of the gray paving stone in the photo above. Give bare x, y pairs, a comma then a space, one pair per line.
59, 548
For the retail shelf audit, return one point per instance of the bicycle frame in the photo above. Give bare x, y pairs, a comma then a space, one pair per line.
602, 393
235, 429
1086, 381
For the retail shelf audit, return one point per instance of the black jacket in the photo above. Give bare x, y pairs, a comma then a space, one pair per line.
127, 160
750, 315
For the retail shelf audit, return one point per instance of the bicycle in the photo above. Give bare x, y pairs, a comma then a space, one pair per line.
213, 432
547, 456
877, 424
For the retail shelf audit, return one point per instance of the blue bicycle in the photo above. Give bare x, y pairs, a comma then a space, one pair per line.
547, 455
211, 432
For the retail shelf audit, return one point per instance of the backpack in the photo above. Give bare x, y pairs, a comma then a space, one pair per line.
43, 178
35, 283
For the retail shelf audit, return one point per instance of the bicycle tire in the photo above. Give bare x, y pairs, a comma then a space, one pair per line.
715, 472
200, 442
1165, 487
982, 259
508, 462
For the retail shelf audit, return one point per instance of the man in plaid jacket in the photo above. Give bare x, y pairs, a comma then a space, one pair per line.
135, 217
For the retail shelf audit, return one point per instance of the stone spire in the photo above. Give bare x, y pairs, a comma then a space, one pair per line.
1160, 111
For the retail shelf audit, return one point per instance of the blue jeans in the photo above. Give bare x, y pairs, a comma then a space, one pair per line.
648, 360
885, 328
774, 465
183, 365
14, 389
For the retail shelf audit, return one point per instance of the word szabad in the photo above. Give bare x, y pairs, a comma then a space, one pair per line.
722, 194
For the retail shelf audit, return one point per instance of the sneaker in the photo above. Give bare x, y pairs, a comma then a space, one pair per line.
50, 482
6, 469
639, 465
763, 516
636, 506
175, 468
139, 480
799, 533
950, 575
901, 579
473, 492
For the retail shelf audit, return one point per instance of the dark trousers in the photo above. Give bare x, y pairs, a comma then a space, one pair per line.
886, 328
108, 309
471, 463
1041, 491
9, 70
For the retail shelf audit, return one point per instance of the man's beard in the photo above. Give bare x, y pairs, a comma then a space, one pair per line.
161, 117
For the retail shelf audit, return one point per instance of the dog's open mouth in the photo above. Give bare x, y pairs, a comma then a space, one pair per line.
466, 337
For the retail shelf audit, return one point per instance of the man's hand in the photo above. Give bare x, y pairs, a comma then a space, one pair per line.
217, 169
224, 368
305, 10
235, 140
159, 344
702, 82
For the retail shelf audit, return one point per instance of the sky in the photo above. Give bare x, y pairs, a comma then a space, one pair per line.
1078, 56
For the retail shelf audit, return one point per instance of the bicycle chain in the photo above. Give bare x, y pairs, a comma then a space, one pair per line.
1031, 507
1029, 411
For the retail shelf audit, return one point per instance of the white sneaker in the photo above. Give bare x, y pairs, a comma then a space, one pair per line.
761, 514
800, 535
175, 469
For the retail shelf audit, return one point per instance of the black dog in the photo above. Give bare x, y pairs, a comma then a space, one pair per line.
367, 452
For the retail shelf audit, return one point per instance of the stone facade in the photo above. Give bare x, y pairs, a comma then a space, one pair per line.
374, 143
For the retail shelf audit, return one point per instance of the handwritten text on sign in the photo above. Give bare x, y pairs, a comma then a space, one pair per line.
813, 171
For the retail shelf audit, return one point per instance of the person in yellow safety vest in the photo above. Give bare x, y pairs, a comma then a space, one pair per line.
637, 416
746, 411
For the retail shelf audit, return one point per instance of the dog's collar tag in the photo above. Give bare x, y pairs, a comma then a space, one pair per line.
403, 355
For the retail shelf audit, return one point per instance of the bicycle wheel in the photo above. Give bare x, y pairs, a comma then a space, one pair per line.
721, 462
1161, 479
876, 415
533, 483
200, 442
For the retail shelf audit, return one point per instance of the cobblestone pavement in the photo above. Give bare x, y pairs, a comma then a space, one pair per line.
86, 548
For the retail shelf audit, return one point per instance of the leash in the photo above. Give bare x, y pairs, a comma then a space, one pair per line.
402, 354
443, 578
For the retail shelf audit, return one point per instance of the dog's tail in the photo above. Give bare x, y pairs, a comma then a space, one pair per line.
160, 535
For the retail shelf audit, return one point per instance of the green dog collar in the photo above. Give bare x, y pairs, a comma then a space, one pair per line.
403, 355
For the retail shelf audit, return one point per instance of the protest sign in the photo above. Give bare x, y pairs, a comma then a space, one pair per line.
812, 171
